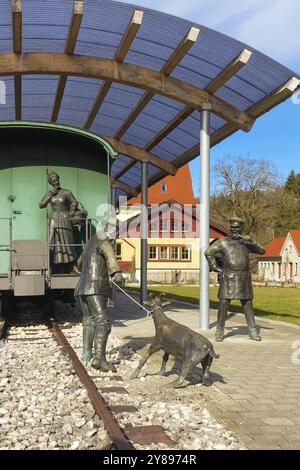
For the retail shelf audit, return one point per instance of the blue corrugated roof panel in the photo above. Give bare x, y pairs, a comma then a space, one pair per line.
45, 28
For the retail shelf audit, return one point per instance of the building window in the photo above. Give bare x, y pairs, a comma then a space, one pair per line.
154, 227
185, 253
164, 225
296, 269
186, 227
119, 251
152, 252
174, 252
163, 253
175, 225
164, 187
291, 248
273, 268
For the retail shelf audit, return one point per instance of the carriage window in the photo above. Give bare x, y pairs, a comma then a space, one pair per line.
164, 188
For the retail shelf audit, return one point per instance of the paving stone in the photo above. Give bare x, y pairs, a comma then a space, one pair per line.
278, 421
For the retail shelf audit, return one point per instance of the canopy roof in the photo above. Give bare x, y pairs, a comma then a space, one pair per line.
134, 76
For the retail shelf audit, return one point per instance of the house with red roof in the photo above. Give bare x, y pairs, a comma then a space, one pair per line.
281, 262
173, 232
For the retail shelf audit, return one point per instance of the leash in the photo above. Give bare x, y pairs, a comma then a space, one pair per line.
131, 298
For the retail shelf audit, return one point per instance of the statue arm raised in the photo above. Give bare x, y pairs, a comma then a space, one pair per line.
257, 248
46, 199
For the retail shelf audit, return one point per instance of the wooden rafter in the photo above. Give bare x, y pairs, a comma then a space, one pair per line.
226, 74
128, 74
16, 7
124, 46
73, 32
124, 187
263, 106
125, 168
139, 154
174, 59
216, 83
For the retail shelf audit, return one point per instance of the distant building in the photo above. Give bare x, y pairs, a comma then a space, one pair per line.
281, 262
173, 242
171, 188
173, 245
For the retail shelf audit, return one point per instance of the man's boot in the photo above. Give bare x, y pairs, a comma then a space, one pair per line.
99, 361
250, 319
222, 311
87, 341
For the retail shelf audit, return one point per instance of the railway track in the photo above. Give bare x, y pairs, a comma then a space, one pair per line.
122, 439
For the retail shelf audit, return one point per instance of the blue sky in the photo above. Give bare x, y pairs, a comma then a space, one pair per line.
271, 26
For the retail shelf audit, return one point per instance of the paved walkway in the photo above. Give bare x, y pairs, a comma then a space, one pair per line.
258, 382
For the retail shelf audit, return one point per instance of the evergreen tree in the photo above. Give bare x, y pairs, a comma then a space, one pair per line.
292, 184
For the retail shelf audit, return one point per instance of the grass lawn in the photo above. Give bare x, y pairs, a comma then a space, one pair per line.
276, 303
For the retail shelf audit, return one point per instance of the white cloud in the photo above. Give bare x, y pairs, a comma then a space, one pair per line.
271, 26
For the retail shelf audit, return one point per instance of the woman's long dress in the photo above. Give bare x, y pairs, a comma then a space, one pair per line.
61, 228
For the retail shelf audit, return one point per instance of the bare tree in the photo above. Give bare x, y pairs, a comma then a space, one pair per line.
246, 187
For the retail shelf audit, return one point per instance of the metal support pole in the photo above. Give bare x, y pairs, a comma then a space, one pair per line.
113, 202
144, 231
204, 215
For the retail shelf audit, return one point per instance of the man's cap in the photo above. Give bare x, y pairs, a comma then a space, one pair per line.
236, 221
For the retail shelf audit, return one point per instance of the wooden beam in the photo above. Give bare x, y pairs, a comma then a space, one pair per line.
124, 187
129, 35
141, 104
181, 50
73, 32
128, 74
139, 154
274, 98
180, 117
18, 97
16, 6
124, 170
174, 59
74, 27
124, 46
226, 74
229, 71
264, 105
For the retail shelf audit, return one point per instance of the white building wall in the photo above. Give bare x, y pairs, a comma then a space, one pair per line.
287, 270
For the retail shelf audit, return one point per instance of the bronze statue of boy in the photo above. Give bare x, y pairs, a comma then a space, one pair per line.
98, 263
235, 276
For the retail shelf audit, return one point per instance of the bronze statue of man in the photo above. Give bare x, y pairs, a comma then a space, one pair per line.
98, 263
235, 276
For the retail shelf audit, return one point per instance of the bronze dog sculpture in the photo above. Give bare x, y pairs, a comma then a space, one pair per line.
184, 344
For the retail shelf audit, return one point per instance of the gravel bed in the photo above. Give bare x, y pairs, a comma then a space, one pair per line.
44, 405
42, 402
182, 412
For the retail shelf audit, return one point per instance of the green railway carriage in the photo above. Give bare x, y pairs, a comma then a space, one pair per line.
28, 152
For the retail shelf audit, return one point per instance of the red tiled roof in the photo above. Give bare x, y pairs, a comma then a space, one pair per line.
178, 187
296, 237
273, 248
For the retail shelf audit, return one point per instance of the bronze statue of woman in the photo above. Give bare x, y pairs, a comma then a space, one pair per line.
61, 236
